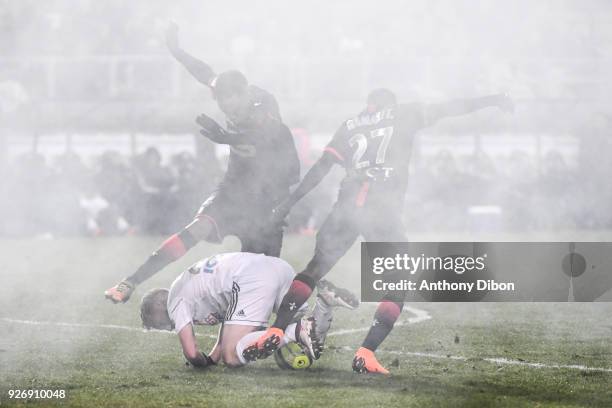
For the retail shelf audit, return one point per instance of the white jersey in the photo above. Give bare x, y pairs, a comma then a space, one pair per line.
236, 288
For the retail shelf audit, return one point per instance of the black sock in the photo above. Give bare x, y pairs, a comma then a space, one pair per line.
384, 319
170, 250
299, 292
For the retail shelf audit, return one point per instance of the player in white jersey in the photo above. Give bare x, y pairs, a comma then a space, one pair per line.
239, 290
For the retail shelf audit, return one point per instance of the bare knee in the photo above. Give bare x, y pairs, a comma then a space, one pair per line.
230, 359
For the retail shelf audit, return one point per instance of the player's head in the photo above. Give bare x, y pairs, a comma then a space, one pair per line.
380, 98
154, 310
231, 90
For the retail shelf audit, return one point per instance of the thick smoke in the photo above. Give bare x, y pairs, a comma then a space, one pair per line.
96, 116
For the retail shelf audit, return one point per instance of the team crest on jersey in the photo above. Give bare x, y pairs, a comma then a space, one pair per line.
210, 264
194, 269
244, 150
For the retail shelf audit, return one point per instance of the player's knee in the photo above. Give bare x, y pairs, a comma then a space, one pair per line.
230, 359
191, 355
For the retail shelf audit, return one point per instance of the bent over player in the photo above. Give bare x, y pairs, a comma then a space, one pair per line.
239, 290
374, 148
263, 164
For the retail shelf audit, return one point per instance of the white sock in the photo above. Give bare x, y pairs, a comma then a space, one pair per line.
244, 342
323, 316
289, 334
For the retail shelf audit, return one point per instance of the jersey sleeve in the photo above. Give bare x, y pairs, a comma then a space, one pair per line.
339, 146
181, 315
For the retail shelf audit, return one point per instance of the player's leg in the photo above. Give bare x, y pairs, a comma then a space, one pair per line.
237, 349
385, 317
329, 296
203, 227
334, 238
257, 295
323, 316
388, 310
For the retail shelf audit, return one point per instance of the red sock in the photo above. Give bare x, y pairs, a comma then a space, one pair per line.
173, 247
296, 296
384, 319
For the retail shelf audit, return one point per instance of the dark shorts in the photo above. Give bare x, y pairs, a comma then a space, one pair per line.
349, 220
244, 218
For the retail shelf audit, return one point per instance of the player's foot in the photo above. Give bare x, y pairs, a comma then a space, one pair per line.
120, 292
365, 362
305, 333
335, 296
265, 345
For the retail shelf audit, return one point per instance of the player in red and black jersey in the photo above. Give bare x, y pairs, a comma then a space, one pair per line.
263, 164
374, 148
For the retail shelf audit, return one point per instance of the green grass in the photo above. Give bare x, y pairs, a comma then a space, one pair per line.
63, 281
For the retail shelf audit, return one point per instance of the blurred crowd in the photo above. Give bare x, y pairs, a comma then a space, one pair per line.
114, 195
102, 66
516, 192
118, 195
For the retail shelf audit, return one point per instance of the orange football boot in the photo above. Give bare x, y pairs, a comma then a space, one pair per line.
120, 292
365, 362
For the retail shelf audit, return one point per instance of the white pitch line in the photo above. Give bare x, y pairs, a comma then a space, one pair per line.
501, 361
419, 316
76, 325
88, 325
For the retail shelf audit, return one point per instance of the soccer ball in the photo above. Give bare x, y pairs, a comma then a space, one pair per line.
292, 357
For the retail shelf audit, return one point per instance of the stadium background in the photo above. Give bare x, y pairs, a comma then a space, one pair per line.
100, 157
97, 134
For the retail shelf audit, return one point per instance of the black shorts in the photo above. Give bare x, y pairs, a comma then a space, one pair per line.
245, 218
350, 218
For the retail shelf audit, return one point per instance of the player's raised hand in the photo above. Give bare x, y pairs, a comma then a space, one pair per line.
209, 126
172, 37
505, 103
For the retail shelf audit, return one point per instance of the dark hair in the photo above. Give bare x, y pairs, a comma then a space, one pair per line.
381, 98
229, 83
154, 310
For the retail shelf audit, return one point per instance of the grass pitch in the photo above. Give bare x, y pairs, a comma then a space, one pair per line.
59, 333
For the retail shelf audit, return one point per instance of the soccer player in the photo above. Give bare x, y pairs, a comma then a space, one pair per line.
263, 164
374, 148
239, 290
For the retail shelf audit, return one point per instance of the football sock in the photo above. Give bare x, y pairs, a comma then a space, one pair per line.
384, 319
170, 250
323, 316
298, 293
290, 333
252, 337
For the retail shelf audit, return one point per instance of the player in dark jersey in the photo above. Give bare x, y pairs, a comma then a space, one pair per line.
263, 164
374, 148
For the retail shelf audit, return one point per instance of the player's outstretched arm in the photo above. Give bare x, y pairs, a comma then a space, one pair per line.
314, 176
198, 68
457, 107
215, 132
190, 349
